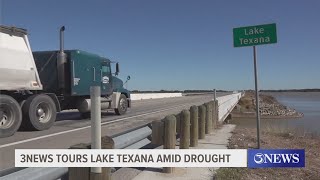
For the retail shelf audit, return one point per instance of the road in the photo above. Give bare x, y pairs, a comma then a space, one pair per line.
70, 129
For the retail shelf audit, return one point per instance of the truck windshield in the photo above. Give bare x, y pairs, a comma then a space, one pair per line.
106, 69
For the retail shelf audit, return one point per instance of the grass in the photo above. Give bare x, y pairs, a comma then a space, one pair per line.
273, 138
229, 174
287, 132
246, 103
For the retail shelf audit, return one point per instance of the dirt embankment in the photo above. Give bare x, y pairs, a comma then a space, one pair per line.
245, 138
269, 107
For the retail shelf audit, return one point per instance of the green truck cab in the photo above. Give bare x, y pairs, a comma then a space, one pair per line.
71, 81
52, 81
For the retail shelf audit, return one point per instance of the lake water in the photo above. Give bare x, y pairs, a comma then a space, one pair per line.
307, 103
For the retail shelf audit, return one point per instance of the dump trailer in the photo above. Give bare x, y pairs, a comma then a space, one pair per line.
34, 86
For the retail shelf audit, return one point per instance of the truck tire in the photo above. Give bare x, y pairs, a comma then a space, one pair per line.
39, 112
10, 116
122, 105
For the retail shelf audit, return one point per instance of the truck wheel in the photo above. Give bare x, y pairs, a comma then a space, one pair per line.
122, 105
10, 116
39, 112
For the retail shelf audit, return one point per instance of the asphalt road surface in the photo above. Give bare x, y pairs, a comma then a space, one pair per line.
70, 129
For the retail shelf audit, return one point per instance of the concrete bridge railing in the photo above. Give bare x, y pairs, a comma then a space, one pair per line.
226, 105
154, 96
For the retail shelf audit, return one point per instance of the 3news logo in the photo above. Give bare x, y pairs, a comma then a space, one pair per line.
263, 158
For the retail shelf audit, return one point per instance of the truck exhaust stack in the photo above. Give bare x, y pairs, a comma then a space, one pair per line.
61, 60
62, 39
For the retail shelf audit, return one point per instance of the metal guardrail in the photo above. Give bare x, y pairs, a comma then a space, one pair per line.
135, 138
37, 174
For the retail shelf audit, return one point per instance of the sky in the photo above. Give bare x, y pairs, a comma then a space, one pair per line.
181, 44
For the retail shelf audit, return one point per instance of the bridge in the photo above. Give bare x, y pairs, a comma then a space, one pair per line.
71, 129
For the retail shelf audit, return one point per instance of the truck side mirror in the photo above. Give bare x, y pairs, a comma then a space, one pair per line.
128, 78
117, 69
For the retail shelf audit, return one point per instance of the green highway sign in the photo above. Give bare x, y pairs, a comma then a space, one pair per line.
254, 35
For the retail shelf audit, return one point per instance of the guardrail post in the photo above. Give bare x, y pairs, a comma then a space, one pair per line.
83, 173
215, 118
211, 114
157, 132
79, 173
178, 123
202, 121
169, 137
194, 126
185, 130
208, 129
106, 143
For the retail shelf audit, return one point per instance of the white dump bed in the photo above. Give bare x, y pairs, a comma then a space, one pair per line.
17, 67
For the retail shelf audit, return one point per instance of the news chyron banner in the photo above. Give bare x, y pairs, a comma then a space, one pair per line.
252, 158
130, 158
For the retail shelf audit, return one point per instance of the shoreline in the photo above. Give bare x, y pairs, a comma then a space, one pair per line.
253, 115
269, 108
245, 137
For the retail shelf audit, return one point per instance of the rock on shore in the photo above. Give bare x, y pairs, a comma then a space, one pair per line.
269, 106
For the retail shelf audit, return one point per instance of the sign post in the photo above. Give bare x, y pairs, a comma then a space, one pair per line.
252, 36
257, 94
95, 93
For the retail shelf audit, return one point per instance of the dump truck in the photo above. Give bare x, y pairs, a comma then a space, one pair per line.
35, 86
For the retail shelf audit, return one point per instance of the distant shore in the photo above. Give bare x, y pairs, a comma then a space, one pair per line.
292, 90
219, 90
